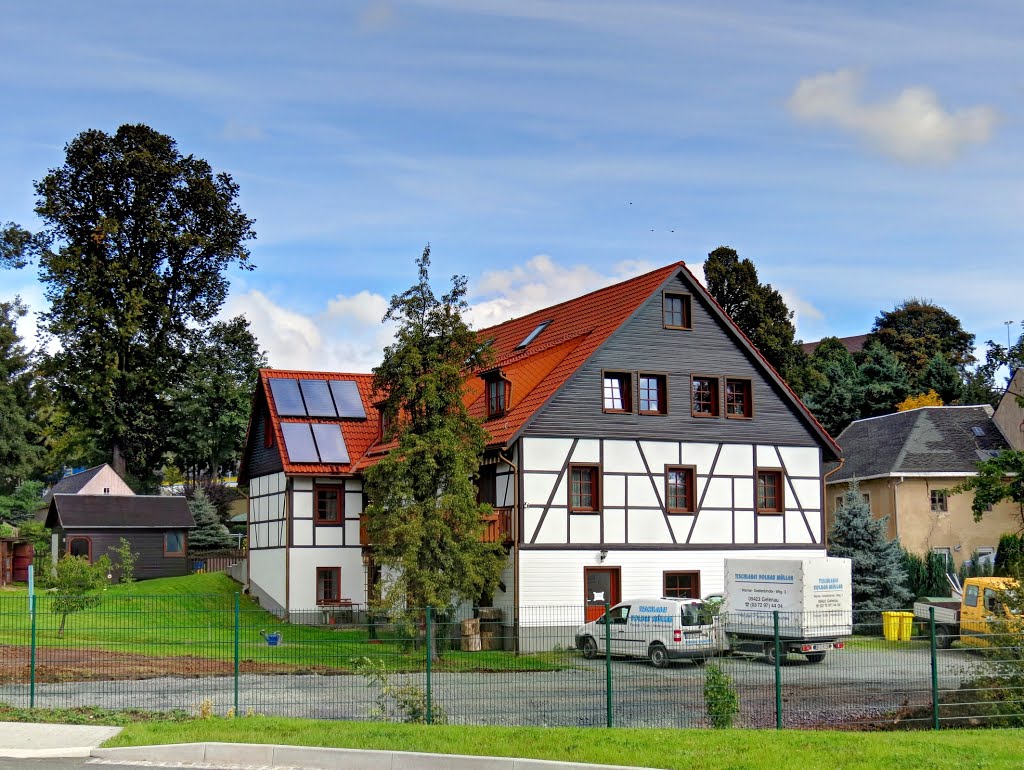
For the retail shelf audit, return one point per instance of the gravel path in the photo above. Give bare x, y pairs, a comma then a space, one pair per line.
850, 686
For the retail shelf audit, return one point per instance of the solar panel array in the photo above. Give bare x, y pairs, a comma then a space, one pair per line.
317, 398
314, 443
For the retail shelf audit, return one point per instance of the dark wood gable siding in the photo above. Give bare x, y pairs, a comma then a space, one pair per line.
263, 460
642, 344
147, 543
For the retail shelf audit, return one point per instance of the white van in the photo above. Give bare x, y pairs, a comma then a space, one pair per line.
661, 630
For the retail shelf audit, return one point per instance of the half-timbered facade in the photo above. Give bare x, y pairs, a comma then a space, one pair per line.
637, 439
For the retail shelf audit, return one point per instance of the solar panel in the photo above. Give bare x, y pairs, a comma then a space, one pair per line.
298, 440
533, 335
318, 398
287, 398
331, 443
346, 396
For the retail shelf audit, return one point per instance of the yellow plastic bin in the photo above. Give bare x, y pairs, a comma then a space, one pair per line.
891, 626
906, 626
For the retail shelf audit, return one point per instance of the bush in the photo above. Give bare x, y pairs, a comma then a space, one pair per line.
720, 699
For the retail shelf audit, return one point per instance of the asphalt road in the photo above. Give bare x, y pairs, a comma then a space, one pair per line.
849, 686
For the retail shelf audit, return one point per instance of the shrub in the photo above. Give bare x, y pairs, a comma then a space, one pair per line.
720, 699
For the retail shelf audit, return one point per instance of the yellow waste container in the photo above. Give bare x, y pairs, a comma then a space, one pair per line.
891, 626
906, 626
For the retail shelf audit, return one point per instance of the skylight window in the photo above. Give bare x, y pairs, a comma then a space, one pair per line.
978, 431
533, 335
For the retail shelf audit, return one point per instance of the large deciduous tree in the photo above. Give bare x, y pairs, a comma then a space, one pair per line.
211, 403
19, 450
917, 329
423, 517
136, 242
758, 309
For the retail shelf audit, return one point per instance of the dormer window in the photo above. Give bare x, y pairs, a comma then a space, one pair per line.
497, 394
385, 424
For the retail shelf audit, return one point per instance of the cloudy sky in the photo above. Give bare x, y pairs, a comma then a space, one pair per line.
859, 152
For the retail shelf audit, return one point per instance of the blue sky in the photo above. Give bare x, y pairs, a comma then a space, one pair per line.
859, 152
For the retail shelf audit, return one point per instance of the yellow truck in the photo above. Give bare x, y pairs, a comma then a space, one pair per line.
966, 617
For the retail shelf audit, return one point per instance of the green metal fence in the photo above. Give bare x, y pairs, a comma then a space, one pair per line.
224, 654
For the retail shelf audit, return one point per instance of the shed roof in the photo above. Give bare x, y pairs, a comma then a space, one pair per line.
119, 512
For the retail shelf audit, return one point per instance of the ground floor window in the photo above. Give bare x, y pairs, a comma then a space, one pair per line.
174, 543
80, 546
681, 585
328, 585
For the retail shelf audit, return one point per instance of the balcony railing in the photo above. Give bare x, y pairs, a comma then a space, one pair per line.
497, 527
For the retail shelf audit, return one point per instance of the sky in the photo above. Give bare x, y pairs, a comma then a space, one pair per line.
859, 153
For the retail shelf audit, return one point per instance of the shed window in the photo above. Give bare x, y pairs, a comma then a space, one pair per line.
174, 543
80, 546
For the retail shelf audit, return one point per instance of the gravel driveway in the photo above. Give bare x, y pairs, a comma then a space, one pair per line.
853, 685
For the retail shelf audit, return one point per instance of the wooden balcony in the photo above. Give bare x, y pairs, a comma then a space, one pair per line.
497, 527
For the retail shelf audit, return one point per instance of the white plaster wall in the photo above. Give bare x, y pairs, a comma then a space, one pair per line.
267, 570
303, 567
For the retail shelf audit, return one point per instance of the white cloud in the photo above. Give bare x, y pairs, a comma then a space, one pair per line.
292, 340
912, 127
365, 307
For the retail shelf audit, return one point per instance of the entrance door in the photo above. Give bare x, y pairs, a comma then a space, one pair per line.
601, 586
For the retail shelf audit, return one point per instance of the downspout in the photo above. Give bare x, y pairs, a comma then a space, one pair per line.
515, 547
824, 500
896, 507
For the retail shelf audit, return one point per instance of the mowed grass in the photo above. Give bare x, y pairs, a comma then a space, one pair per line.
195, 616
683, 749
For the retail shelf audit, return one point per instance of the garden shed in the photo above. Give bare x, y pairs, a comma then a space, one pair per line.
155, 525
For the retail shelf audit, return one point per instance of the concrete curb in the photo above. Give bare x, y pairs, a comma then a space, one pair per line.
270, 755
29, 740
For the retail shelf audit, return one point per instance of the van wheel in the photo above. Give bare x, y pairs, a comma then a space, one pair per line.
944, 637
658, 655
589, 648
815, 657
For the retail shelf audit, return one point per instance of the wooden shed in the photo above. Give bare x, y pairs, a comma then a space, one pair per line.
15, 557
155, 525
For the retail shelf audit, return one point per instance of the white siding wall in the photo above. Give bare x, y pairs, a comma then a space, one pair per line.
106, 478
633, 493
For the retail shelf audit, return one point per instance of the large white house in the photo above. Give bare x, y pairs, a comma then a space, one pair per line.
637, 439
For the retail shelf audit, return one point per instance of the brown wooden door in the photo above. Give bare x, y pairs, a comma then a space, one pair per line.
601, 587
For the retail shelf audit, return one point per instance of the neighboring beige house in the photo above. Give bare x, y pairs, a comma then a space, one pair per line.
101, 480
905, 462
1009, 416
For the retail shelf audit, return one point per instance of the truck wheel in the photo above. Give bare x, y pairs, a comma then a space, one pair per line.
769, 652
658, 655
815, 657
589, 648
944, 637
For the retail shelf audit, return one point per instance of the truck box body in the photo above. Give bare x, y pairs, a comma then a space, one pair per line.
813, 596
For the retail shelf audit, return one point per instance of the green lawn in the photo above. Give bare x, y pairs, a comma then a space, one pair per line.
194, 616
684, 749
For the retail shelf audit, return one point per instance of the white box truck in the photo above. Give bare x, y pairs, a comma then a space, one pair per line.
813, 597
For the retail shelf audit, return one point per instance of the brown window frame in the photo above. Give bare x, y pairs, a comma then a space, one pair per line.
938, 501
268, 431
626, 383
675, 572
748, 412
505, 390
662, 380
88, 540
339, 489
691, 491
780, 503
336, 571
487, 485
595, 495
687, 310
717, 399
184, 545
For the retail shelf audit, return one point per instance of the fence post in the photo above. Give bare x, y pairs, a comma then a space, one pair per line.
935, 669
32, 655
778, 672
430, 655
608, 665
237, 629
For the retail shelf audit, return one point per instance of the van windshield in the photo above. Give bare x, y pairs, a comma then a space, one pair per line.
690, 614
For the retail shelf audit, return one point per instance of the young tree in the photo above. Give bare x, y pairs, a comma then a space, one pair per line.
758, 309
834, 392
19, 449
423, 518
75, 582
917, 329
1000, 478
209, 534
136, 242
211, 403
879, 571
884, 380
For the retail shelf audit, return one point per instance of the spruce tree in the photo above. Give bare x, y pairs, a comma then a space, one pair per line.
884, 379
879, 570
209, 534
942, 377
834, 393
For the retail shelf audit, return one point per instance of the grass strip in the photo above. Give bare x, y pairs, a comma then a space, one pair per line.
661, 748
